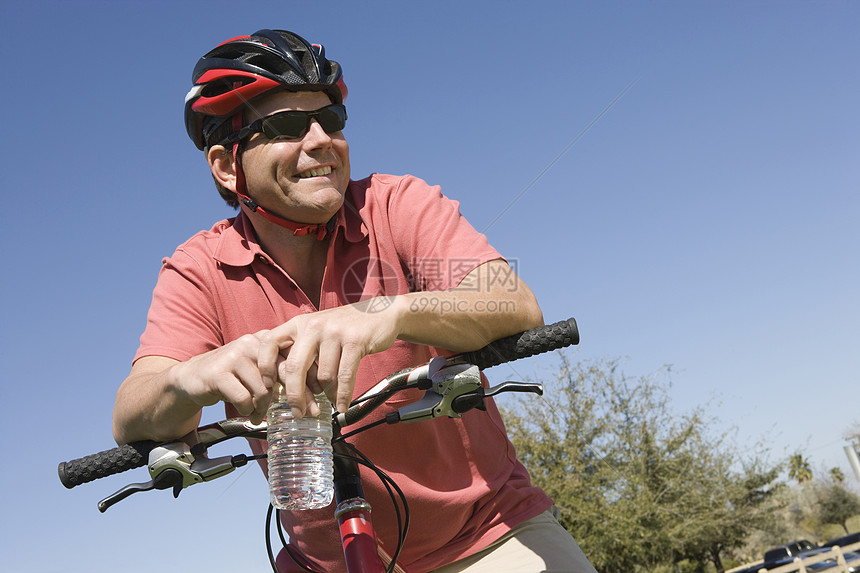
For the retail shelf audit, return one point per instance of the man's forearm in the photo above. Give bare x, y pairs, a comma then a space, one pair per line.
147, 408
476, 313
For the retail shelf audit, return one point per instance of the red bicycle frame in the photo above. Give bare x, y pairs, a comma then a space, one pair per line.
360, 547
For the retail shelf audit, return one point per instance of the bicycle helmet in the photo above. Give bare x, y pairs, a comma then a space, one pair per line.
230, 77
241, 69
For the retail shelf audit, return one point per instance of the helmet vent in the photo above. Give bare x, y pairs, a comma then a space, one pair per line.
223, 85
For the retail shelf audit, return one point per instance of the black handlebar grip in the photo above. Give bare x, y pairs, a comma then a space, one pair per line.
103, 464
525, 344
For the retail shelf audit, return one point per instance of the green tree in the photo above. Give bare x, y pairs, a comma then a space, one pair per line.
637, 485
733, 501
835, 504
836, 475
799, 469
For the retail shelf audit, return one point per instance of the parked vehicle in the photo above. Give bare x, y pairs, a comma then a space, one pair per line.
845, 541
784, 554
803, 548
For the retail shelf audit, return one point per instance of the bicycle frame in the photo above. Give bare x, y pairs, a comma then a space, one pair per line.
452, 385
360, 548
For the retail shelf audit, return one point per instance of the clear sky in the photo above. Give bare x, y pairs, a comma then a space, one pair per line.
682, 177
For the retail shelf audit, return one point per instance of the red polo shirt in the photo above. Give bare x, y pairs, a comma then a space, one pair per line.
393, 235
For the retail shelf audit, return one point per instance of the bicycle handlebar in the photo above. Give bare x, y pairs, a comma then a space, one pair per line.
523, 345
104, 464
514, 347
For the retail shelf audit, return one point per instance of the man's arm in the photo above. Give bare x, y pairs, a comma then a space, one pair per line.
142, 401
163, 398
490, 303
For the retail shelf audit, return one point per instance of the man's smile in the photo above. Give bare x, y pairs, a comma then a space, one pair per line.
315, 172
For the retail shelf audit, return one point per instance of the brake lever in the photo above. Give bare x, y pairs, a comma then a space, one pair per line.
511, 386
177, 465
456, 389
475, 399
447, 385
166, 479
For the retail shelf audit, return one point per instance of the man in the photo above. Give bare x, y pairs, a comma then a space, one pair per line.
321, 283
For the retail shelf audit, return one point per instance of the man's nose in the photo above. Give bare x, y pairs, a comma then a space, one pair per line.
316, 135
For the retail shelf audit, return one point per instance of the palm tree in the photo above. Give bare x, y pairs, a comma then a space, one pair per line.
837, 475
799, 469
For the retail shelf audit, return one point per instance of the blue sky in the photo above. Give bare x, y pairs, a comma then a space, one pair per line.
706, 219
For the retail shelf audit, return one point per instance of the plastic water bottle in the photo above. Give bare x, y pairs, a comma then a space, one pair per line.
300, 457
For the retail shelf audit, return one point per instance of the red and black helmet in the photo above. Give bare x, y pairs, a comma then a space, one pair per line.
244, 68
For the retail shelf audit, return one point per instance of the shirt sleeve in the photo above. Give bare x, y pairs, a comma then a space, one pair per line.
182, 321
435, 242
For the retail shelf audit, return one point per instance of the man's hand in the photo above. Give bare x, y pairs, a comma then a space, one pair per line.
323, 350
243, 373
163, 398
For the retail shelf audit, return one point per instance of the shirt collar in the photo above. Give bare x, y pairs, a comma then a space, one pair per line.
238, 245
349, 218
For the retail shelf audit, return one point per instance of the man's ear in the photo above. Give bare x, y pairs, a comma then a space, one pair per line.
223, 166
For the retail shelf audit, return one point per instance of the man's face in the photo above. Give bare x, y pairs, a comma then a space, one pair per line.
301, 179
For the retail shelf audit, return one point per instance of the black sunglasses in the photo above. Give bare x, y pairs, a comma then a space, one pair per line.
294, 124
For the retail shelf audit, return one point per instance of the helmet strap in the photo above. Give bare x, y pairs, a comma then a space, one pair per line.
298, 229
